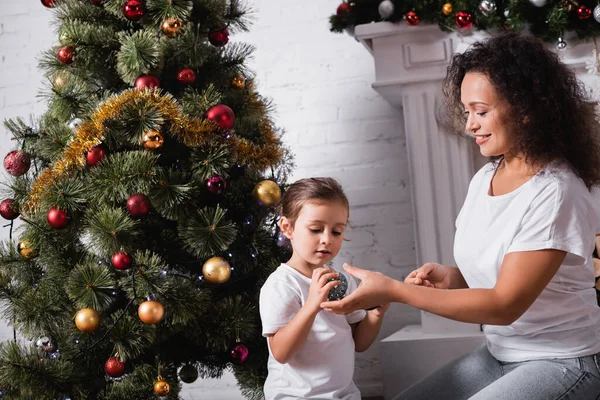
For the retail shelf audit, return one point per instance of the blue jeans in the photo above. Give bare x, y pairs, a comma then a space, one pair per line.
479, 376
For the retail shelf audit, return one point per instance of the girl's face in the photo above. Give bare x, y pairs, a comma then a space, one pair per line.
317, 234
486, 114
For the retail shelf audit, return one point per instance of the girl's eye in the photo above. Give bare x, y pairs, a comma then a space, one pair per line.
337, 233
313, 230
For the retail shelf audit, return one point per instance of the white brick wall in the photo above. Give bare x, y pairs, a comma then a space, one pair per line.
334, 122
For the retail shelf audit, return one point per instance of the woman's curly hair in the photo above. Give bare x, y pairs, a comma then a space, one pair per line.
548, 107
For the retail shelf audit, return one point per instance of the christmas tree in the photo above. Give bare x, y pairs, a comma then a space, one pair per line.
146, 196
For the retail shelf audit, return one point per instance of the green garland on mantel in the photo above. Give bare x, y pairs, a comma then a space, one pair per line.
548, 19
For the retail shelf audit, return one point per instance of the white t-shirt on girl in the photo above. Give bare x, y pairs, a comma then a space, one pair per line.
553, 210
324, 366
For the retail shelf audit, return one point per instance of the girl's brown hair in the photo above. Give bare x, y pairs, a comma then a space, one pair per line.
311, 190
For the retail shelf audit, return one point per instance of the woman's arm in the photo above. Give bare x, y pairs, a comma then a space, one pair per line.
522, 278
438, 276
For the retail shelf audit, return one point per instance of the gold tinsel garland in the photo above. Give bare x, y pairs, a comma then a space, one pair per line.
192, 132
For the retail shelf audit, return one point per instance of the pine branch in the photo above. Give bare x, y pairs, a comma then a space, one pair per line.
107, 230
91, 285
207, 233
139, 54
196, 103
172, 194
210, 160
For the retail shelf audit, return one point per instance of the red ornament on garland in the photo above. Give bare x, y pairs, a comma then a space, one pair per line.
219, 37
114, 367
342, 9
216, 185
95, 155
9, 209
412, 18
583, 12
464, 19
138, 205
222, 115
17, 162
57, 218
66, 54
48, 3
147, 81
239, 354
121, 260
133, 10
186, 76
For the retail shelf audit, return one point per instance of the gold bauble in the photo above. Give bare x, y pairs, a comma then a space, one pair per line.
151, 312
59, 81
171, 26
153, 140
161, 387
267, 193
87, 320
238, 82
447, 9
25, 250
216, 270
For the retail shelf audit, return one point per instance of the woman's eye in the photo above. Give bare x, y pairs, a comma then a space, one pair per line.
482, 113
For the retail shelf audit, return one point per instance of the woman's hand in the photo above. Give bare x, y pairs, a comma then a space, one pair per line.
431, 275
375, 290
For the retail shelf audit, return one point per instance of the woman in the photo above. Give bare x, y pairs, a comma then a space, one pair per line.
524, 236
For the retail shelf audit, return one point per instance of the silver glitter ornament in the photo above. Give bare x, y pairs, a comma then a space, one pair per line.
74, 123
597, 13
386, 9
339, 291
538, 3
44, 343
487, 7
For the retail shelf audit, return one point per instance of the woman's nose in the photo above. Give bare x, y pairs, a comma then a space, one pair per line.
472, 125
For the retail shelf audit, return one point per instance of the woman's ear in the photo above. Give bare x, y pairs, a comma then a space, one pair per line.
286, 227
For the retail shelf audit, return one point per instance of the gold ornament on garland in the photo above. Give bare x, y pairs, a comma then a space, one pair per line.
59, 81
161, 387
25, 250
151, 312
447, 9
153, 140
216, 270
87, 320
238, 82
171, 26
267, 193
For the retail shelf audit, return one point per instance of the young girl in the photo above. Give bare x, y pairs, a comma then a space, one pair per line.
311, 353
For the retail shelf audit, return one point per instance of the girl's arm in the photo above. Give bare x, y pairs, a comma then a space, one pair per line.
365, 331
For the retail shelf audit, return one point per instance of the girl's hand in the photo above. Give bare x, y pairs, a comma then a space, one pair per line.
319, 288
380, 310
431, 275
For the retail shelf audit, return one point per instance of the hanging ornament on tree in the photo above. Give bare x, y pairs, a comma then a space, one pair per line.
186, 76
25, 250
138, 205
385, 9
48, 3
114, 367
538, 3
17, 162
74, 123
151, 312
188, 373
44, 344
66, 54
121, 260
87, 320
487, 7
216, 270
597, 13
561, 44
57, 218
239, 354
447, 9
238, 82
464, 19
153, 140
171, 26
161, 387
267, 193
94, 155
343, 9
147, 81
412, 18
59, 81
584, 12
133, 10
9, 209
222, 115
219, 37
216, 185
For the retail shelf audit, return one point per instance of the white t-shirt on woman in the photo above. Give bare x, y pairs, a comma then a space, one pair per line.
553, 210
324, 366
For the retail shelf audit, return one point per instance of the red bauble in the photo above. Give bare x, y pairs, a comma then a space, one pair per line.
17, 162
239, 354
66, 54
186, 76
138, 205
9, 209
342, 9
219, 37
48, 3
147, 81
95, 155
97, 2
216, 185
133, 10
222, 115
412, 18
464, 19
584, 12
57, 218
121, 260
114, 367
